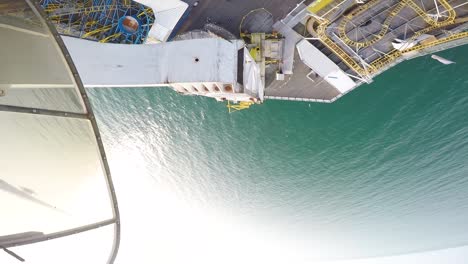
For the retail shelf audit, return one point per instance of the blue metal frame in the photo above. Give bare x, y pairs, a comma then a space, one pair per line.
99, 20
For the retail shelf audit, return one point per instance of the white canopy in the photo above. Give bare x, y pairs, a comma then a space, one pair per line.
253, 84
54, 179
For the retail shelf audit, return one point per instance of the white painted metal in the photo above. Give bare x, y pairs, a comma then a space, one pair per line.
291, 38
324, 67
253, 84
88, 247
189, 61
167, 14
442, 60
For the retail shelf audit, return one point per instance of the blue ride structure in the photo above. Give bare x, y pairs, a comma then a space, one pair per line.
111, 21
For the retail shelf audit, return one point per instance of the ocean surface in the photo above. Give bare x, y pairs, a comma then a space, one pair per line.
383, 171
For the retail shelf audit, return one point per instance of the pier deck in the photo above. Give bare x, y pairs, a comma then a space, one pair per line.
299, 87
229, 13
357, 38
346, 43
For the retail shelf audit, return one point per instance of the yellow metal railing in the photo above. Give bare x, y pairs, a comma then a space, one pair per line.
386, 24
318, 5
146, 11
386, 59
330, 44
438, 42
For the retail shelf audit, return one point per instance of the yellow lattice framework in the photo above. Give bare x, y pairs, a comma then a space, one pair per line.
318, 27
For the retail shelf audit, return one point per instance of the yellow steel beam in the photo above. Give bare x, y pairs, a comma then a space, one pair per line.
98, 30
104, 40
318, 5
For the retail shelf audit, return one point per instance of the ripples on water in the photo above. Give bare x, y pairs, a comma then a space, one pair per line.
381, 172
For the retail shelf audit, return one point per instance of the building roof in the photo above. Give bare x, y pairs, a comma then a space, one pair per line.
189, 61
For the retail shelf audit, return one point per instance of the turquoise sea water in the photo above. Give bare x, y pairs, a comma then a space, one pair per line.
383, 171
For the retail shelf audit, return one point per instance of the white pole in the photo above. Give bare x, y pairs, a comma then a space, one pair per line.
437, 7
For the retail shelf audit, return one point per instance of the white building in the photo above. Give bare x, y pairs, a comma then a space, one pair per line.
207, 67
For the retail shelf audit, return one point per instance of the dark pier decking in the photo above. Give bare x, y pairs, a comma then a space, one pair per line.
229, 13
300, 86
